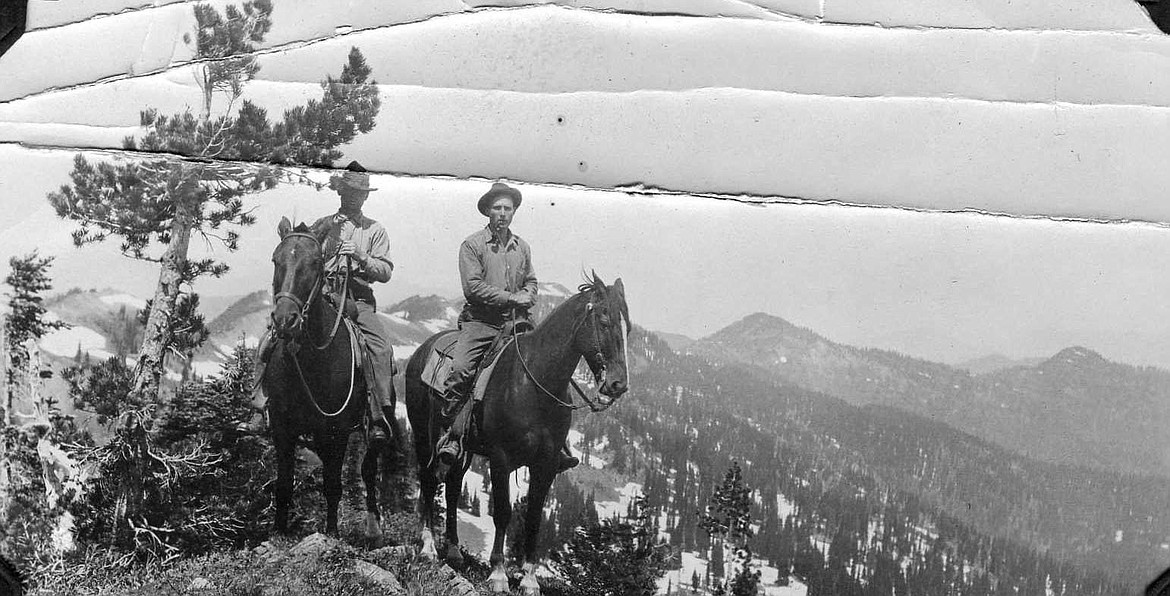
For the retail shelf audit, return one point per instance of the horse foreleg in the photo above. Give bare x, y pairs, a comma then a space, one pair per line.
427, 485
501, 515
285, 449
370, 472
538, 487
454, 484
332, 456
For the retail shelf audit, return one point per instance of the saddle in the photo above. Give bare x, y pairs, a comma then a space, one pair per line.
439, 362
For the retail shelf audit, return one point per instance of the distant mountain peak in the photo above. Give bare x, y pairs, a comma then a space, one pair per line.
762, 324
424, 308
1077, 355
552, 288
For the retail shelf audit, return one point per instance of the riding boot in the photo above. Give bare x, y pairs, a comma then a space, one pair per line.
382, 430
453, 402
567, 459
450, 448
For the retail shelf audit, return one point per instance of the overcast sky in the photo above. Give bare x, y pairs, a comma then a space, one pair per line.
1002, 118
940, 286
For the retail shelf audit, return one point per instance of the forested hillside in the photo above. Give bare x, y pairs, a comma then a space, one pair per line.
858, 499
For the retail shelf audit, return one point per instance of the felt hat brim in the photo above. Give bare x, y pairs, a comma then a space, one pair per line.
499, 190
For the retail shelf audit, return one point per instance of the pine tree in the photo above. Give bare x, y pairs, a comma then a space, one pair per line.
614, 557
33, 497
155, 206
165, 202
25, 323
728, 517
26, 318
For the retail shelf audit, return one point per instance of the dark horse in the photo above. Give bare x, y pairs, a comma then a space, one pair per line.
312, 379
525, 416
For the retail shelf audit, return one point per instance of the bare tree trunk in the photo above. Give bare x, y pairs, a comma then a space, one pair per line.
5, 422
158, 333
205, 86
148, 372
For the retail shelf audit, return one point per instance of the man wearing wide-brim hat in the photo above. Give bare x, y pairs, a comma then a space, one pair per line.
499, 284
362, 242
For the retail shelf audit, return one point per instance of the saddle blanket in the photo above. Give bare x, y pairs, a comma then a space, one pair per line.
438, 365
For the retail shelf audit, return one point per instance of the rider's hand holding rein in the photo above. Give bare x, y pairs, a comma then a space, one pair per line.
349, 249
521, 299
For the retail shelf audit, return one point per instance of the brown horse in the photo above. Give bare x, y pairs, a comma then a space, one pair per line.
525, 415
312, 379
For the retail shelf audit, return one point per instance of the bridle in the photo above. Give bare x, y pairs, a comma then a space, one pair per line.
303, 307
598, 373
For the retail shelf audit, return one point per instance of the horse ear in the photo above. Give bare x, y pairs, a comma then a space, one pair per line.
617, 285
597, 280
284, 227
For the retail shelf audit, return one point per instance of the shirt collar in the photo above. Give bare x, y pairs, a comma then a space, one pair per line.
358, 221
492, 239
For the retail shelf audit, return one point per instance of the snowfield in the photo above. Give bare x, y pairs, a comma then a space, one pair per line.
397, 317
476, 532
436, 325
206, 368
66, 343
126, 299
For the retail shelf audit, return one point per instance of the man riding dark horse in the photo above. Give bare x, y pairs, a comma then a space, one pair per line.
499, 284
362, 242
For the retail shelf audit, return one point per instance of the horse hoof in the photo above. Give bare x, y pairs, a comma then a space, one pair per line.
530, 586
428, 551
498, 582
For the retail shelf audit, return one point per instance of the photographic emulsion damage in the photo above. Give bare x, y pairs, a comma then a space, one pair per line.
743, 297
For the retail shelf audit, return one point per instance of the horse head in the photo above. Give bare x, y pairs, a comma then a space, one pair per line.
603, 337
297, 274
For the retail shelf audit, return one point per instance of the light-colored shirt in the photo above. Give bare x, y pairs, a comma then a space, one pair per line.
371, 238
491, 270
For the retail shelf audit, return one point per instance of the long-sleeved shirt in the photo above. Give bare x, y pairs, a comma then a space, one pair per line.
371, 238
491, 270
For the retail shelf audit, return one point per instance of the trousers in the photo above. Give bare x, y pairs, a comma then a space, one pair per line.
380, 355
475, 338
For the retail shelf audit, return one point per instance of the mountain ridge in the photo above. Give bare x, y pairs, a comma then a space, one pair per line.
1087, 410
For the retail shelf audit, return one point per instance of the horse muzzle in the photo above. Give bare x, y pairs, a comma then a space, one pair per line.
287, 325
614, 389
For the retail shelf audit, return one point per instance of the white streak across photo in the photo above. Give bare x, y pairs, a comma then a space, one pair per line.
780, 297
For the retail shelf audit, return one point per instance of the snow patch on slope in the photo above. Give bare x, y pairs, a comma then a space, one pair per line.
66, 342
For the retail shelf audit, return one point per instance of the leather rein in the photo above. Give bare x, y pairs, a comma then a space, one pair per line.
589, 403
303, 307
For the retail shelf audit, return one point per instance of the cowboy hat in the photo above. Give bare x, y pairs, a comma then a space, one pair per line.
499, 189
355, 177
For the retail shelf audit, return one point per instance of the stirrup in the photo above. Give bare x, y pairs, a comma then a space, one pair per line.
567, 461
453, 405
